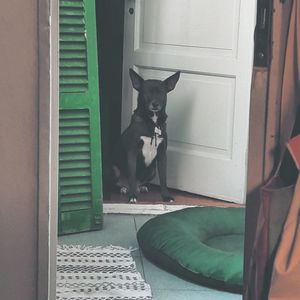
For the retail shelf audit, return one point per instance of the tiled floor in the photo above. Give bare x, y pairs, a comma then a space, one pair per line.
120, 230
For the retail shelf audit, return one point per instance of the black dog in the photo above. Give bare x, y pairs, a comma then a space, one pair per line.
143, 144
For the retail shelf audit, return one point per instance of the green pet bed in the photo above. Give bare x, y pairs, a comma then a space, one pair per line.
202, 244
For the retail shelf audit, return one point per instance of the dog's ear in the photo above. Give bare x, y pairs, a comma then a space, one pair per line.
171, 81
136, 79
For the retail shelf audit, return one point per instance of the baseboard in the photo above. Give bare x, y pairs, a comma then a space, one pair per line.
141, 209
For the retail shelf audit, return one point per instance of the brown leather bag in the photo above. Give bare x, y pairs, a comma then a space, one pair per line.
285, 283
275, 199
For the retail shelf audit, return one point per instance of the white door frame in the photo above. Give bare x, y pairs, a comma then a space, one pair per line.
48, 33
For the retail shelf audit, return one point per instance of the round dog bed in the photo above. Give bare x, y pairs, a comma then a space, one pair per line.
201, 244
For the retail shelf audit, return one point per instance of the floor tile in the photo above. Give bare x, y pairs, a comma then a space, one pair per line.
193, 295
141, 219
160, 279
118, 230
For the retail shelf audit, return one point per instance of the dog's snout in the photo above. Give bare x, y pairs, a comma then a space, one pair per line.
155, 104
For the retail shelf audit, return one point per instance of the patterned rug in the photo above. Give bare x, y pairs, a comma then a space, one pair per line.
98, 273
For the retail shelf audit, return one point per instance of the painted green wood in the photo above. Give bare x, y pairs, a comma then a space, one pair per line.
80, 182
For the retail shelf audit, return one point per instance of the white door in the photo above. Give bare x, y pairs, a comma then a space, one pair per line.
212, 43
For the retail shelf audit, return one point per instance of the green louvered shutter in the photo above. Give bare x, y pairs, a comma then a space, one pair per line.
80, 182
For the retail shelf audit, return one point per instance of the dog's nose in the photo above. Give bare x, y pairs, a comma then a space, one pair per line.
155, 105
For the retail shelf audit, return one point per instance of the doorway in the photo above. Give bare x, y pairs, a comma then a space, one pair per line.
209, 111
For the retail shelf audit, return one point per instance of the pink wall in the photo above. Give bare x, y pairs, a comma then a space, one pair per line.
18, 149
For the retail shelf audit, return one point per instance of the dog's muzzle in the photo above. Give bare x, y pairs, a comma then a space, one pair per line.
155, 107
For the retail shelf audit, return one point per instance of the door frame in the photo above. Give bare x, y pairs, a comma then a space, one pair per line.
48, 47
48, 26
252, 173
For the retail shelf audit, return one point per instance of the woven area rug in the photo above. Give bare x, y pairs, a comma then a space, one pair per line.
98, 273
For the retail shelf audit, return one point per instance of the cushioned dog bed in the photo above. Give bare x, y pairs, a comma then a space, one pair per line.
201, 244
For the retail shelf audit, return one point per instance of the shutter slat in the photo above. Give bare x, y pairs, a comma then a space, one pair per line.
73, 72
72, 46
71, 20
68, 28
65, 165
72, 64
74, 156
72, 37
71, 11
81, 205
73, 114
75, 181
73, 190
72, 80
74, 123
76, 198
68, 156
72, 88
74, 173
70, 3
74, 132
72, 54
71, 148
74, 140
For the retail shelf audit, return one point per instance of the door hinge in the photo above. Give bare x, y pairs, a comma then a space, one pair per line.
263, 30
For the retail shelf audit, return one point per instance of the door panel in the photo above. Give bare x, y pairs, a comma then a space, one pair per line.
211, 42
170, 27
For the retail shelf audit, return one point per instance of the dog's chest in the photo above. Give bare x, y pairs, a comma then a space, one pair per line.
150, 146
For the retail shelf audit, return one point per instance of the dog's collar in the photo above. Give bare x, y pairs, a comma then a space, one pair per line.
154, 127
156, 134
157, 130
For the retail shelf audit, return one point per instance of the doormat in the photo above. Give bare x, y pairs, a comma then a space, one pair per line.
98, 273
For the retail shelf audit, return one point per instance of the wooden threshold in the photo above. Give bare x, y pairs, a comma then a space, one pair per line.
151, 203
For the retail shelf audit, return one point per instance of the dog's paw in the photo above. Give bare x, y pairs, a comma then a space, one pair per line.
168, 198
123, 190
143, 189
132, 200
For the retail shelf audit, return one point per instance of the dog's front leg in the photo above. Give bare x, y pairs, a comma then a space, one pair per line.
162, 173
131, 159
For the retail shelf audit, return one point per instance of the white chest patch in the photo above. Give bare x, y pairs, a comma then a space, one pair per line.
150, 149
154, 118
